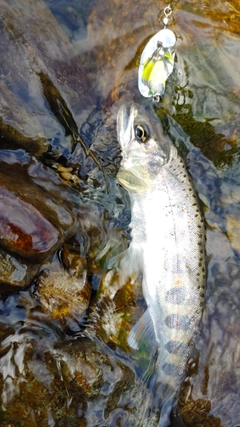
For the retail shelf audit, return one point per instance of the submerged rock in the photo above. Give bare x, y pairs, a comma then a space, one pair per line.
75, 383
233, 231
64, 295
39, 60
15, 274
198, 414
23, 229
33, 222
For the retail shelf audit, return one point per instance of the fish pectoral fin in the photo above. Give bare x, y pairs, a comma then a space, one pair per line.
117, 260
127, 263
143, 330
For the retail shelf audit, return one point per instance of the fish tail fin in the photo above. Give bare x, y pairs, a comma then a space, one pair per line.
165, 413
168, 376
127, 262
167, 398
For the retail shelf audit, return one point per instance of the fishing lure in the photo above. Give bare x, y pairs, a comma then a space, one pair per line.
157, 60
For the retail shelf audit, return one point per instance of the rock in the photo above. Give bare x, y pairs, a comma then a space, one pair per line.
72, 259
34, 184
72, 383
23, 229
233, 231
198, 414
30, 53
64, 295
33, 222
15, 274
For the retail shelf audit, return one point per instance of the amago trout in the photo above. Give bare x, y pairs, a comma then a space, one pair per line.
168, 238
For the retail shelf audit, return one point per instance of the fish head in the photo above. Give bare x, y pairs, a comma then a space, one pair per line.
145, 148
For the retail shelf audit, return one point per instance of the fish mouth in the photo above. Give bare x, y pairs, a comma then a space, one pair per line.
135, 179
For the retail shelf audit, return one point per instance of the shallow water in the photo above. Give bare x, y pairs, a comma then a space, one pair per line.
64, 363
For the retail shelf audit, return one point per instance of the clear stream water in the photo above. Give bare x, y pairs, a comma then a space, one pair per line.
76, 370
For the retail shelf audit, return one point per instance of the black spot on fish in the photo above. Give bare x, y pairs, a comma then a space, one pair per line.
177, 321
173, 346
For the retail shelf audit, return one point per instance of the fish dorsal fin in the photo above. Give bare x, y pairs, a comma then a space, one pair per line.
143, 330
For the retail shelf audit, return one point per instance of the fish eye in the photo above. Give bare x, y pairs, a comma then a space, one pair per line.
142, 133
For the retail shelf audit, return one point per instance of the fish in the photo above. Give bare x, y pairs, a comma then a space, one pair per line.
168, 240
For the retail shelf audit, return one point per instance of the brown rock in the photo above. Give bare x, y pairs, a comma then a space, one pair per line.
38, 185
72, 260
63, 295
15, 274
198, 414
23, 229
70, 383
33, 221
233, 231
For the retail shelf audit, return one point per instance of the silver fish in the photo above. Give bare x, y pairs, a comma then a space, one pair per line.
168, 238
